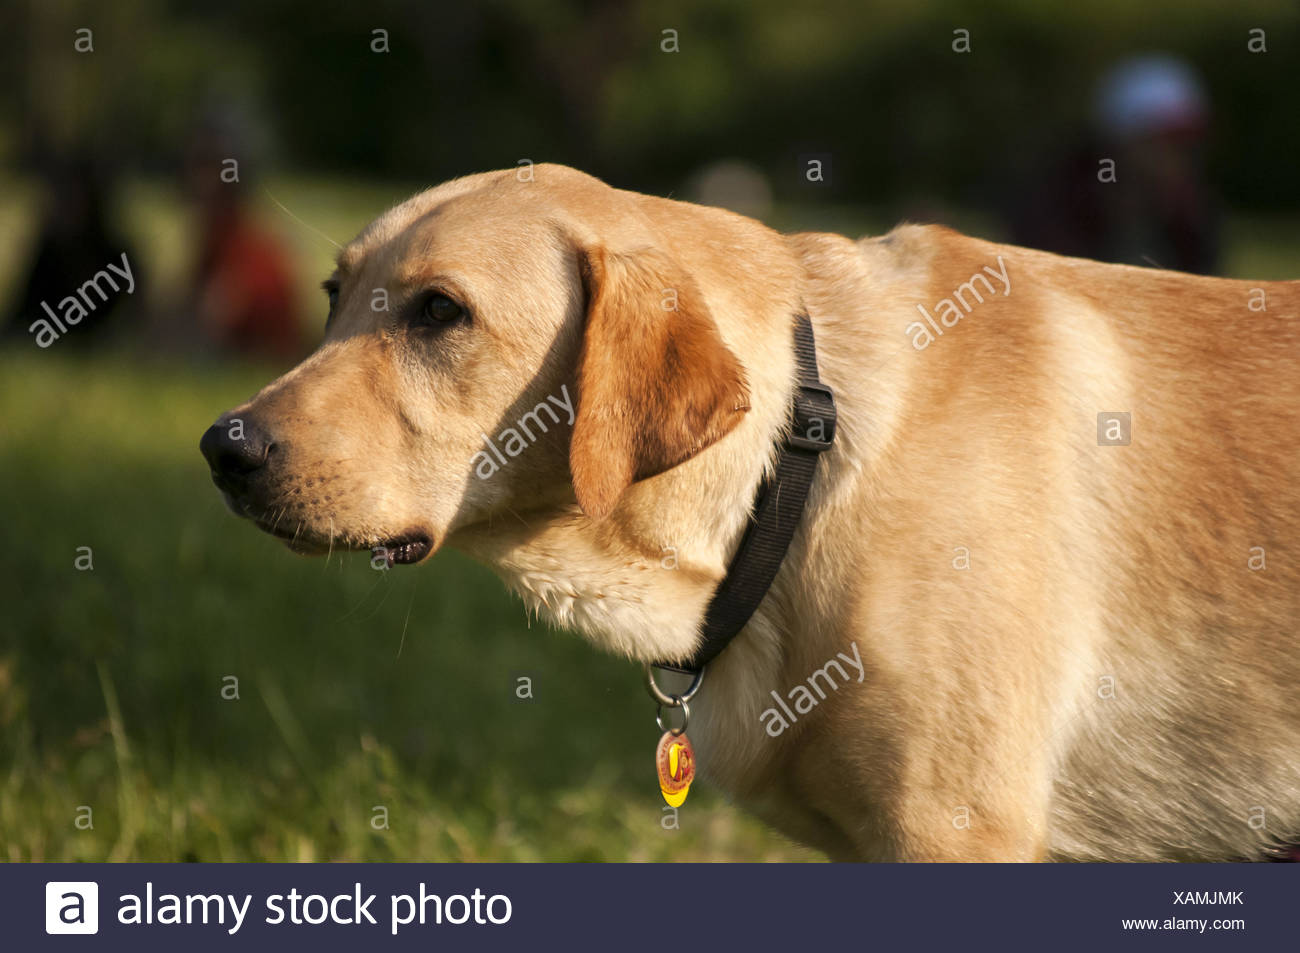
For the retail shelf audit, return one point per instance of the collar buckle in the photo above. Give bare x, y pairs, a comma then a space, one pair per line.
813, 426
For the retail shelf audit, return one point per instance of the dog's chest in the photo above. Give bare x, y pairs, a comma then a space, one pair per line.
625, 606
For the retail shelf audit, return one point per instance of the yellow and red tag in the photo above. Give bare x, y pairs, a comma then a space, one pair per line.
676, 763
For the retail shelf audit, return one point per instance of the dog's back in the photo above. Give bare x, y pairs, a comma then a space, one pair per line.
1114, 450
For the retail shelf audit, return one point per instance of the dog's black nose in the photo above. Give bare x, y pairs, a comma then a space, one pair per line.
236, 446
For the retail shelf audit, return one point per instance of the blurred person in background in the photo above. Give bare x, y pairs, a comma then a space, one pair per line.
1136, 192
241, 298
75, 240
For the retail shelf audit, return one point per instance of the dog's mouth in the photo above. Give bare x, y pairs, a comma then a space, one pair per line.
403, 551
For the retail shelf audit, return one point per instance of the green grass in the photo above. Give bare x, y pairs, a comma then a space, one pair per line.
358, 688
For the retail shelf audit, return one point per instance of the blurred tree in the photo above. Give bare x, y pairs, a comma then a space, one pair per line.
876, 85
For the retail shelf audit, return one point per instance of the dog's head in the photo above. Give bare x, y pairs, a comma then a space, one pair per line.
503, 342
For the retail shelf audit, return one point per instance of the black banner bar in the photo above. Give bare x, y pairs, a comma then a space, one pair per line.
643, 907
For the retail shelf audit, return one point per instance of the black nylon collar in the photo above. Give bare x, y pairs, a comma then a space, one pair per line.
778, 505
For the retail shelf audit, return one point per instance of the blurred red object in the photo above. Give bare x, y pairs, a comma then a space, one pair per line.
245, 287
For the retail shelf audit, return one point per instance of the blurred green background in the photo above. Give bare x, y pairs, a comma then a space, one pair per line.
360, 688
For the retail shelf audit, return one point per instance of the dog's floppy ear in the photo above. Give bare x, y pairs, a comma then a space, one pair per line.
656, 383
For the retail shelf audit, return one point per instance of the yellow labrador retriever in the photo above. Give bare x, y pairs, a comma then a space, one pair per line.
1043, 598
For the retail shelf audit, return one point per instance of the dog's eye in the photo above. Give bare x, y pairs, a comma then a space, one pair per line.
332, 292
439, 309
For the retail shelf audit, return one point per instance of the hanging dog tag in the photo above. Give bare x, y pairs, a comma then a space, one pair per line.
676, 763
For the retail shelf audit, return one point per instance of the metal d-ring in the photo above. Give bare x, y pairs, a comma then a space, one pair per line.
671, 701
686, 716
664, 700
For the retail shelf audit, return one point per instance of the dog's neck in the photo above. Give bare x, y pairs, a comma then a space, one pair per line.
639, 582
641, 588
636, 583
